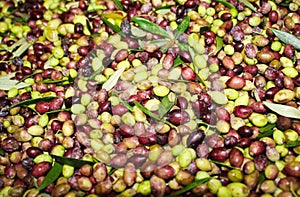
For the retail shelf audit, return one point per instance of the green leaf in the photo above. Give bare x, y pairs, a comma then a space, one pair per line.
160, 42
182, 27
16, 44
24, 46
150, 27
163, 11
292, 144
58, 110
222, 164
178, 61
165, 106
283, 110
8, 84
183, 46
33, 101
113, 27
51, 81
266, 131
227, 4
29, 76
149, 113
204, 28
129, 107
248, 4
52, 175
164, 7
113, 79
287, 38
219, 43
2, 152
118, 4
189, 187
77, 163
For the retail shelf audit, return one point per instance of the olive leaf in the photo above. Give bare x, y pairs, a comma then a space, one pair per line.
182, 27
2, 152
266, 131
113, 79
16, 44
7, 84
115, 28
178, 61
248, 4
287, 38
189, 187
151, 27
51, 176
283, 110
160, 42
227, 4
149, 113
118, 4
33, 101
24, 46
222, 164
51, 81
165, 106
58, 110
77, 163
203, 29
29, 76
129, 107
219, 43
292, 144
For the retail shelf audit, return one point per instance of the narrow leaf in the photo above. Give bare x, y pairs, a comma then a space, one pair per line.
165, 106
33, 101
129, 107
248, 4
160, 42
8, 84
16, 44
149, 113
58, 110
182, 27
283, 110
222, 164
189, 187
219, 43
164, 7
287, 38
113, 79
50, 81
292, 144
118, 4
115, 28
8, 76
29, 76
183, 46
47, 63
21, 49
203, 29
52, 175
77, 163
266, 131
178, 61
150, 27
2, 152
227, 4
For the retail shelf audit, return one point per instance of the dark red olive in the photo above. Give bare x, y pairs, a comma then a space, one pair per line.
178, 117
195, 138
